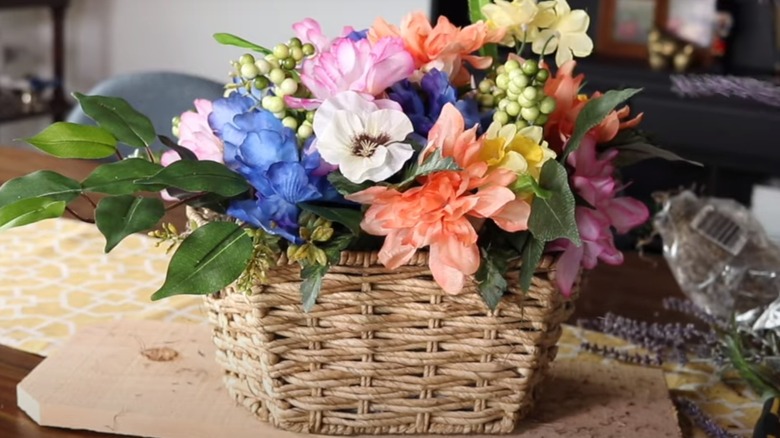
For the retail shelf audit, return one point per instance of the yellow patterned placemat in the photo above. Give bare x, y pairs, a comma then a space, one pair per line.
55, 278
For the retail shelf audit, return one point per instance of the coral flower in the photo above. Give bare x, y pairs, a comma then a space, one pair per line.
444, 47
440, 213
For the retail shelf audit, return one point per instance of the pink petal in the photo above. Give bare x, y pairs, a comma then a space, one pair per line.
394, 253
567, 269
464, 258
490, 200
450, 279
367, 196
513, 216
302, 103
626, 213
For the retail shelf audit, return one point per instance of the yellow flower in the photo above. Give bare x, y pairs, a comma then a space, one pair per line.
523, 151
522, 19
567, 33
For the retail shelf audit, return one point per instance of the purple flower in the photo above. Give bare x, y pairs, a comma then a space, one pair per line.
424, 108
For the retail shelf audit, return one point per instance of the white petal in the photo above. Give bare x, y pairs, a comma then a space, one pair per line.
395, 124
580, 44
336, 141
576, 22
563, 56
542, 39
535, 133
367, 168
355, 168
347, 101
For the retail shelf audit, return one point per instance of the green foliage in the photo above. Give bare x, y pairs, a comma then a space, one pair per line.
475, 15
184, 153
345, 186
264, 254
27, 211
593, 113
39, 184
232, 40
348, 217
199, 176
490, 277
70, 140
120, 178
435, 162
311, 276
527, 184
634, 146
532, 254
553, 218
116, 116
120, 216
209, 259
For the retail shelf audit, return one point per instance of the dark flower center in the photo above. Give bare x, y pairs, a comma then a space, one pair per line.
364, 145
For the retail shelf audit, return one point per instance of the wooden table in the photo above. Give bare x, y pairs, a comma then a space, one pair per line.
634, 289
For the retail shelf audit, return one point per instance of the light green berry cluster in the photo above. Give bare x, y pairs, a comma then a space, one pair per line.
277, 72
518, 95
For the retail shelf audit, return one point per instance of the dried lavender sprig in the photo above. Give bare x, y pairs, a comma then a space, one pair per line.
728, 86
622, 356
687, 307
701, 419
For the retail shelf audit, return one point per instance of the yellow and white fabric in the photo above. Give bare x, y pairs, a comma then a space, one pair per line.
55, 278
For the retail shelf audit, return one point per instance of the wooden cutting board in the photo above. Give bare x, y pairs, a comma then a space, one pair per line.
146, 378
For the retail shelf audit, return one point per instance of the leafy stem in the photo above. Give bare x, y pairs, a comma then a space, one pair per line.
78, 216
184, 201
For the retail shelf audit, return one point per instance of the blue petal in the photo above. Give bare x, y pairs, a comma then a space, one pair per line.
290, 181
225, 109
272, 215
357, 35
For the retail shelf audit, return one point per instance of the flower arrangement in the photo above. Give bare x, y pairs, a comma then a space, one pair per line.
395, 138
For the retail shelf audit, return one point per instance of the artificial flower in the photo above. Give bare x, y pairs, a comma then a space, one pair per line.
594, 182
567, 34
196, 135
424, 108
309, 31
522, 151
444, 47
353, 65
366, 142
521, 19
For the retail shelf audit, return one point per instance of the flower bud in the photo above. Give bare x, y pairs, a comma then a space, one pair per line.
547, 106
305, 131
501, 117
542, 76
246, 59
521, 124
290, 122
530, 67
295, 42
281, 51
288, 87
276, 76
520, 80
486, 101
513, 109
310, 116
287, 63
501, 70
273, 61
308, 49
512, 65
525, 103
485, 86
515, 89
531, 93
322, 234
502, 81
280, 115
261, 82
502, 104
249, 71
530, 114
541, 120
296, 53
263, 66
274, 104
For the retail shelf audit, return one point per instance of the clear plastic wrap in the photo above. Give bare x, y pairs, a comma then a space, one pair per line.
722, 258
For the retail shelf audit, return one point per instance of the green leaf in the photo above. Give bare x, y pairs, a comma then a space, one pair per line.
209, 259
70, 140
475, 9
232, 40
527, 184
311, 284
637, 152
334, 247
433, 163
348, 217
593, 113
490, 277
120, 216
28, 211
39, 184
532, 254
199, 176
116, 116
184, 153
553, 218
345, 186
120, 178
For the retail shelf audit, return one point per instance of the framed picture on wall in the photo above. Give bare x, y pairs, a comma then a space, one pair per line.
624, 26
693, 21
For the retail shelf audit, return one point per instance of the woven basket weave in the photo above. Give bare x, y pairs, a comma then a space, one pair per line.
386, 352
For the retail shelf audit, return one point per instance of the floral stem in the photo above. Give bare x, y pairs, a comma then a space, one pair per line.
150, 154
91, 202
119, 155
184, 201
79, 217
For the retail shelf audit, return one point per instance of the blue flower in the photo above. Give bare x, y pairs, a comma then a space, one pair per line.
266, 153
424, 108
357, 35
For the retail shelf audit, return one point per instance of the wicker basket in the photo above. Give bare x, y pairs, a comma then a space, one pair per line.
386, 352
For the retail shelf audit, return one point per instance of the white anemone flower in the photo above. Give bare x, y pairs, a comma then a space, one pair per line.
567, 34
366, 139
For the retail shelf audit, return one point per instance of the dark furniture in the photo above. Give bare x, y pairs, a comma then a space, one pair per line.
57, 106
736, 139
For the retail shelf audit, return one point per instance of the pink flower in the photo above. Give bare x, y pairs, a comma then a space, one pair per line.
593, 180
308, 30
196, 135
358, 66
